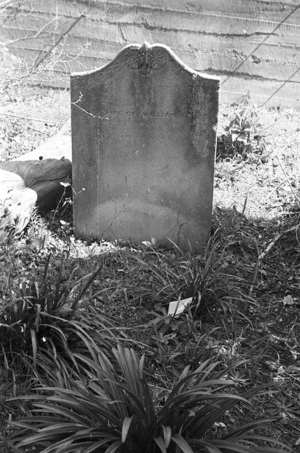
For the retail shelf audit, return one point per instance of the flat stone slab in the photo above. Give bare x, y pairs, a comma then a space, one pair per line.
143, 149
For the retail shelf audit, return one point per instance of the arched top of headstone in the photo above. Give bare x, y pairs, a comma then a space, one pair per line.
144, 59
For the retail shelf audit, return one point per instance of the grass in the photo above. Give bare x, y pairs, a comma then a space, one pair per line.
116, 410
245, 289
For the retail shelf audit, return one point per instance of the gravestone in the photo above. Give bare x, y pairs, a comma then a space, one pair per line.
143, 147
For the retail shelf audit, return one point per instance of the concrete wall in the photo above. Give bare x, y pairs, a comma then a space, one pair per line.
212, 36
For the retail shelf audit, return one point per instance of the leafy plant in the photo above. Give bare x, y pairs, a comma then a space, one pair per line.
212, 283
245, 134
49, 318
113, 410
210, 280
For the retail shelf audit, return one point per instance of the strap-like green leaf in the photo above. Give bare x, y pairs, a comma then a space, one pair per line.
160, 443
125, 428
182, 443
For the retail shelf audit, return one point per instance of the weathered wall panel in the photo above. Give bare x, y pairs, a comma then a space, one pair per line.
213, 36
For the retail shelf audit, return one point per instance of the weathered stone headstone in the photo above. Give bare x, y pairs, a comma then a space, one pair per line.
143, 145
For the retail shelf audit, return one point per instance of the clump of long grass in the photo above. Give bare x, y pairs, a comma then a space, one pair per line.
112, 409
210, 280
47, 319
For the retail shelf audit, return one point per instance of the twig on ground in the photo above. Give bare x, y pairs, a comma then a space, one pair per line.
50, 123
288, 180
265, 252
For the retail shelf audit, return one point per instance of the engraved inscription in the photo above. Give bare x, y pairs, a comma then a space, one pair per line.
131, 114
